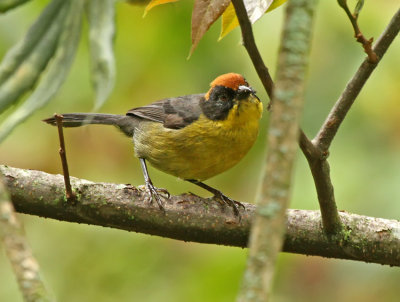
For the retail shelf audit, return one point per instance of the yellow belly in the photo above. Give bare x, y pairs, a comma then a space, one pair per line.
202, 149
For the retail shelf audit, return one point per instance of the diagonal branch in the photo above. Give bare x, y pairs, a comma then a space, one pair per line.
191, 218
335, 118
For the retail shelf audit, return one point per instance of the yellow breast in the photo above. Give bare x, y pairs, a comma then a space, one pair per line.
204, 148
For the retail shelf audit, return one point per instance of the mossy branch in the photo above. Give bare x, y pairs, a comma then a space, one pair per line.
191, 218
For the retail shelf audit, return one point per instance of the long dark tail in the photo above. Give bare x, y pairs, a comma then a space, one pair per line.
123, 122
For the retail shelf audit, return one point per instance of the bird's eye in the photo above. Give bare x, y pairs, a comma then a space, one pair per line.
223, 97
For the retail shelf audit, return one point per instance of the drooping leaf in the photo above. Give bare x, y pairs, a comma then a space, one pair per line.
205, 13
56, 71
6, 5
23, 64
230, 21
19, 52
154, 3
101, 18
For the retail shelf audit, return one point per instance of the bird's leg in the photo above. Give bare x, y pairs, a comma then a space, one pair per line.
150, 189
218, 194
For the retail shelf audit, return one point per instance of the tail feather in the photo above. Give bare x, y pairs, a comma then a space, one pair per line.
81, 119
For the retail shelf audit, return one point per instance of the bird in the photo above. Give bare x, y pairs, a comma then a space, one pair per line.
193, 137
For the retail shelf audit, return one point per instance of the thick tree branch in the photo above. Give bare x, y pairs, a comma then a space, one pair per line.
19, 252
335, 118
191, 218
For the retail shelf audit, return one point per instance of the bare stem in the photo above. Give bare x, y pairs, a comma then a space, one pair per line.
68, 191
366, 43
251, 47
335, 118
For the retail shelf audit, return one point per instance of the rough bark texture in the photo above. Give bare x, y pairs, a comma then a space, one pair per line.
191, 218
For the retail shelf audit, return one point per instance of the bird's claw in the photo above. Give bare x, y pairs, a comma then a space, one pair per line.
232, 203
155, 193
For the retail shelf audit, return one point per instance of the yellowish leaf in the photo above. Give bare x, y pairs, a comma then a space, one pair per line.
230, 21
154, 3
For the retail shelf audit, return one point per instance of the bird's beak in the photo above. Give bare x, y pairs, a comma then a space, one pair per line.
244, 89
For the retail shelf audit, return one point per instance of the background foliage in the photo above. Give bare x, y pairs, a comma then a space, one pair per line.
87, 263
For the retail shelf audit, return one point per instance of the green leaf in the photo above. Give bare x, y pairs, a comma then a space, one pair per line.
358, 8
6, 5
101, 17
23, 64
56, 71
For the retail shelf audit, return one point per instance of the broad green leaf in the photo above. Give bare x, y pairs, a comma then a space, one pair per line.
205, 13
6, 5
230, 21
101, 17
56, 71
154, 3
23, 64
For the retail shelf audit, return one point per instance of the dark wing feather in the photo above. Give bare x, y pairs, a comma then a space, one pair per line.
173, 113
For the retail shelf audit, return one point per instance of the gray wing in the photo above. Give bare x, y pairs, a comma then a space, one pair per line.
173, 113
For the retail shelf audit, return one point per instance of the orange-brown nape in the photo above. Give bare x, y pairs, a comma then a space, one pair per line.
230, 80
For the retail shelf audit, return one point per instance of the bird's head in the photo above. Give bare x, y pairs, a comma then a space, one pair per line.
228, 91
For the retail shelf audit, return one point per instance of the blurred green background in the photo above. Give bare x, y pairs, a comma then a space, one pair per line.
89, 263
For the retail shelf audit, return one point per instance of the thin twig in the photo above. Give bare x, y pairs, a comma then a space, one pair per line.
23, 262
191, 218
251, 47
314, 155
68, 190
335, 118
366, 43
